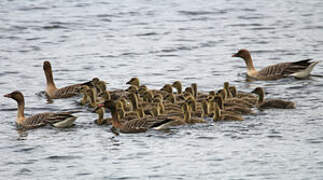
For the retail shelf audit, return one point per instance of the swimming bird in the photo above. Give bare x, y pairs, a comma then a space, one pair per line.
65, 92
218, 115
135, 125
101, 120
271, 103
299, 69
134, 81
60, 119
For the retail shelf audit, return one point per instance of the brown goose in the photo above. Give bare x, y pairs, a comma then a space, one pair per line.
60, 120
218, 116
134, 81
298, 69
65, 92
271, 103
135, 125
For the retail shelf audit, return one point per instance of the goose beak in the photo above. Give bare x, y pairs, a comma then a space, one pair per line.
7, 95
234, 55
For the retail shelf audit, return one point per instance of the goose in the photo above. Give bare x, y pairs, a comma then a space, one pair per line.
251, 98
59, 120
135, 125
271, 103
218, 115
178, 86
229, 99
101, 120
134, 81
83, 91
232, 108
299, 69
65, 92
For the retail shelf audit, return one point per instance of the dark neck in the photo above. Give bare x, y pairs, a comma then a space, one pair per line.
49, 78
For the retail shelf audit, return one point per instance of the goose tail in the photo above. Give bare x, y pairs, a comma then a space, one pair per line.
68, 122
306, 72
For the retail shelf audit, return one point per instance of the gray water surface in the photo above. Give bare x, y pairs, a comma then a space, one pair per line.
160, 42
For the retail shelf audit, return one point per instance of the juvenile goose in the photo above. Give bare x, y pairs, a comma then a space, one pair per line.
229, 99
232, 108
60, 120
271, 103
101, 120
85, 98
178, 86
55, 93
134, 81
299, 69
251, 98
135, 125
218, 116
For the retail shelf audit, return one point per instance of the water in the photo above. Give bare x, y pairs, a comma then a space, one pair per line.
160, 42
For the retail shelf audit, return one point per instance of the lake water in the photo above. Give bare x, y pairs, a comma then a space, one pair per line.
160, 42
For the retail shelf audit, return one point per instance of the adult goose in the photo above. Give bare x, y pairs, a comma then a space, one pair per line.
299, 69
65, 92
60, 120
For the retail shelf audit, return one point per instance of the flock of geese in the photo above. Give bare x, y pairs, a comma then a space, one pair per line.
138, 108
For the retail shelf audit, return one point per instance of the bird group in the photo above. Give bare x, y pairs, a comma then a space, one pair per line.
138, 108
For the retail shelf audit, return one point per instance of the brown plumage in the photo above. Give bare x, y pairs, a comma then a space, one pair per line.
65, 92
61, 119
134, 81
298, 69
271, 103
219, 116
135, 125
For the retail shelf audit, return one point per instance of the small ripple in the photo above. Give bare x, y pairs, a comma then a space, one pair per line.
315, 141
57, 157
198, 13
25, 149
147, 34
24, 171
55, 26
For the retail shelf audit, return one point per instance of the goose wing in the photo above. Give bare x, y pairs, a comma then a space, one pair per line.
284, 69
68, 91
35, 121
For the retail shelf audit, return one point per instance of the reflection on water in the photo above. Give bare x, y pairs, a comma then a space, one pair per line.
161, 42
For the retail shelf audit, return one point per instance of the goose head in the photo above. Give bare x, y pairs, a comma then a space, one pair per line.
242, 53
95, 81
168, 88
178, 86
16, 95
189, 90
47, 66
259, 91
134, 81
